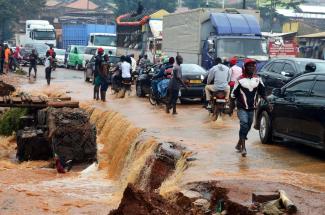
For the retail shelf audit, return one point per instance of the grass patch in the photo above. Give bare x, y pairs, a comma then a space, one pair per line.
9, 121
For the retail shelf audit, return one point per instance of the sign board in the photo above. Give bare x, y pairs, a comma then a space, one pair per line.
283, 48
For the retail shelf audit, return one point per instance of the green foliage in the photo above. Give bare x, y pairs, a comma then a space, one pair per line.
9, 121
125, 6
13, 10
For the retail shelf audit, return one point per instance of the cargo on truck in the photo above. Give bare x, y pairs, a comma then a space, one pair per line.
89, 34
201, 35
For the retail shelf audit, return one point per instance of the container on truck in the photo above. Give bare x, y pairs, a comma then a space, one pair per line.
89, 34
201, 35
37, 32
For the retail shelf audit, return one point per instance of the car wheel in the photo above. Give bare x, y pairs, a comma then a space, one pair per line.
265, 130
139, 91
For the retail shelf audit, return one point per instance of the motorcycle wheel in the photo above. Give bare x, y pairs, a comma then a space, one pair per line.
152, 99
215, 112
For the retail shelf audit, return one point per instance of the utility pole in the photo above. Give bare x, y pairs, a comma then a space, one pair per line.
244, 4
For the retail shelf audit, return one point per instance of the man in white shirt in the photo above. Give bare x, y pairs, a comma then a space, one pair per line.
126, 69
133, 64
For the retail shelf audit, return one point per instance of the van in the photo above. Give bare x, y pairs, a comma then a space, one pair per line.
75, 57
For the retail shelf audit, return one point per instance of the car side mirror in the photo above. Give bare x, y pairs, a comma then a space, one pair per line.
287, 74
277, 92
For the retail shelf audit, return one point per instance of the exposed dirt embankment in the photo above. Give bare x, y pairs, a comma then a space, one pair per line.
149, 175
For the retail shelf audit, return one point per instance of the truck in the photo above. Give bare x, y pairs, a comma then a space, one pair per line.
37, 32
201, 35
106, 41
97, 35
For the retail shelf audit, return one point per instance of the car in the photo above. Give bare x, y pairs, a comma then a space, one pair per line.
90, 67
75, 57
60, 53
279, 71
193, 76
41, 50
91, 51
296, 112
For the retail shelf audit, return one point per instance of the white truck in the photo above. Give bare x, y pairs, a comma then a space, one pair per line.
107, 41
37, 32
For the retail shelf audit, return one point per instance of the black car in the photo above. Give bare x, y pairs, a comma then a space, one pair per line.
193, 76
90, 67
277, 72
296, 112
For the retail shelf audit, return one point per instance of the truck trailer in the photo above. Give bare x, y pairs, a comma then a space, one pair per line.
201, 35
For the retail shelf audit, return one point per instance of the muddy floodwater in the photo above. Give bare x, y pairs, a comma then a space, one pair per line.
92, 190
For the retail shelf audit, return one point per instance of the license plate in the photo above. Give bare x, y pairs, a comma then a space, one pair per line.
221, 100
195, 81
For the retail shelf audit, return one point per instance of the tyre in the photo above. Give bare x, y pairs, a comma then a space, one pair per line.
265, 129
139, 90
216, 112
152, 99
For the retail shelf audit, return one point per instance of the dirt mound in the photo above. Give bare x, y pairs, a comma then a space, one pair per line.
137, 202
6, 89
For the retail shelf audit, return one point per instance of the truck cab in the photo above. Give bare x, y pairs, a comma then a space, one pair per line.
106, 41
233, 35
40, 31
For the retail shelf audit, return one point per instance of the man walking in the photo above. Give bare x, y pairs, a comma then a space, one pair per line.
33, 63
246, 89
98, 66
175, 85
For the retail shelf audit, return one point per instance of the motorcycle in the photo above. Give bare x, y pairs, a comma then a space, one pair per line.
219, 105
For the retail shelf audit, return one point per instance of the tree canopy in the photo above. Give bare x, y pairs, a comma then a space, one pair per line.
124, 6
13, 10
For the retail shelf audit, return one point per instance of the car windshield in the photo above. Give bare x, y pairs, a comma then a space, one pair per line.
192, 69
90, 51
114, 59
243, 47
81, 49
105, 40
59, 51
44, 35
320, 66
41, 49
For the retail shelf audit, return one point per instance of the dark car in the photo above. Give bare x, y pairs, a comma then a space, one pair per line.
296, 112
90, 67
277, 72
193, 75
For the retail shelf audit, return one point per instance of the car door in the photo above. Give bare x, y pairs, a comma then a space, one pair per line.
287, 74
314, 114
288, 109
73, 56
272, 75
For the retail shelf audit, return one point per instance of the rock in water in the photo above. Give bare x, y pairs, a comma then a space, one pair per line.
71, 134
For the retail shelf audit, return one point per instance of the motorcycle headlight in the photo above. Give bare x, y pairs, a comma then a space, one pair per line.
202, 77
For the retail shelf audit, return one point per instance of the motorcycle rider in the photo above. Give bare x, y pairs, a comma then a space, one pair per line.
144, 61
126, 71
220, 75
310, 67
165, 72
246, 89
235, 72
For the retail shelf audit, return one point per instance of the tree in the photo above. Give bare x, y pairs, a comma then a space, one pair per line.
125, 6
14, 10
201, 3
268, 9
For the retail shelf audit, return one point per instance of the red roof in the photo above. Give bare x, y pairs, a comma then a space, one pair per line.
83, 5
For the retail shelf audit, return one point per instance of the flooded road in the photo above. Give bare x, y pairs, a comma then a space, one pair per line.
212, 142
